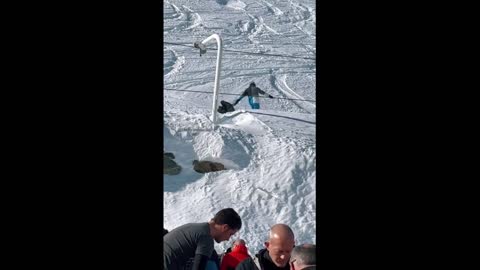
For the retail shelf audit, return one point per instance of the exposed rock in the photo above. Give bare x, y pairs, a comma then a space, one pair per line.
168, 154
169, 166
207, 166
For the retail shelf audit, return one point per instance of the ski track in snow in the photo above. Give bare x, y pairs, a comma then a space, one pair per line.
305, 105
184, 18
273, 8
174, 65
237, 5
270, 154
193, 17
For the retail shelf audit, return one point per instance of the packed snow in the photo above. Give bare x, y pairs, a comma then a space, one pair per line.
270, 153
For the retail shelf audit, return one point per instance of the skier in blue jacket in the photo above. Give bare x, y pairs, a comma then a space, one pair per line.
253, 93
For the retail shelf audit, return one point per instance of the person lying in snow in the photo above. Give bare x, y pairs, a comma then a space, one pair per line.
253, 93
225, 107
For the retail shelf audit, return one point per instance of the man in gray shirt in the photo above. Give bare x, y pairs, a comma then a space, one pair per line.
195, 240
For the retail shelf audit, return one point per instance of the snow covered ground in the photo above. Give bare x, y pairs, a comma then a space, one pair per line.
269, 153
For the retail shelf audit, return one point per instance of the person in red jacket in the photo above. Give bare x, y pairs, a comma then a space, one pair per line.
232, 259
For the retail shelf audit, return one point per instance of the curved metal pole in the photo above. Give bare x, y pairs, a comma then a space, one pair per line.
217, 74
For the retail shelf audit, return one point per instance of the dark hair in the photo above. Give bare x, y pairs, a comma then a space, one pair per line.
252, 84
228, 216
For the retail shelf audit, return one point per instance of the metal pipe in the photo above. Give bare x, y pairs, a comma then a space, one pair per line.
217, 74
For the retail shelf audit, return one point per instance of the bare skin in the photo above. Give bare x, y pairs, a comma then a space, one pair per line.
238, 242
280, 244
220, 232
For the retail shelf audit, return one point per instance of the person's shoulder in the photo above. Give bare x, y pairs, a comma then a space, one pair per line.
229, 254
262, 256
186, 225
195, 229
183, 227
228, 259
261, 252
246, 264
247, 260
196, 225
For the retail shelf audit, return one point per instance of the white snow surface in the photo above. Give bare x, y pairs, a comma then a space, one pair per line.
270, 153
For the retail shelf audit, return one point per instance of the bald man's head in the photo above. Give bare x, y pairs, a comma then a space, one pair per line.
281, 241
281, 231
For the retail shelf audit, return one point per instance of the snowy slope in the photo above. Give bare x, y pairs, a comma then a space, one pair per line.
269, 153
